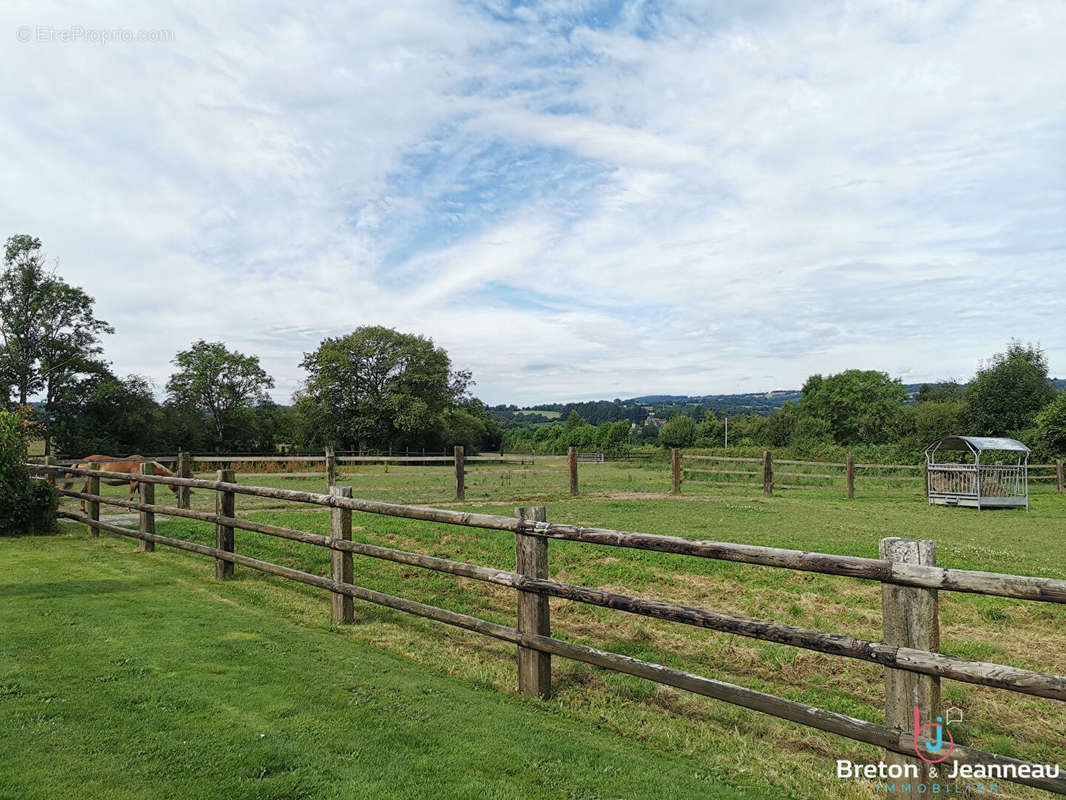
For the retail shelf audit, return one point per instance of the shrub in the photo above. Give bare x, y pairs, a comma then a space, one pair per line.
26, 505
678, 432
1051, 426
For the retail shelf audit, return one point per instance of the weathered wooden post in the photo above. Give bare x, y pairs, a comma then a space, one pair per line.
225, 507
94, 505
925, 479
767, 472
571, 454
340, 561
460, 473
147, 517
675, 468
1058, 473
184, 471
331, 468
531, 560
851, 476
911, 619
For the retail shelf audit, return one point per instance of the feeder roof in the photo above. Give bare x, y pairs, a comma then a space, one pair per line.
977, 443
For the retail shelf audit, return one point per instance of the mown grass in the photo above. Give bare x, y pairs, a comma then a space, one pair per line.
715, 735
131, 676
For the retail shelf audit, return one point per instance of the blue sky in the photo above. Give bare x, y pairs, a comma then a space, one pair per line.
577, 200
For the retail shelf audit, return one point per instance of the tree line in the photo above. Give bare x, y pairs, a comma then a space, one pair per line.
1010, 395
371, 390
377, 389
860, 410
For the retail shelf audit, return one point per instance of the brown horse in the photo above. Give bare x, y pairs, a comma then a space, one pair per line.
131, 465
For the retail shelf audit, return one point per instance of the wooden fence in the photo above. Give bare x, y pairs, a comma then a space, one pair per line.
906, 570
686, 469
846, 477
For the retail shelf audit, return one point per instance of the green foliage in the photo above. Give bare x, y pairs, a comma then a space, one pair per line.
26, 505
935, 419
471, 425
678, 432
222, 383
941, 392
1051, 426
1009, 390
50, 335
109, 415
810, 437
378, 388
857, 405
613, 438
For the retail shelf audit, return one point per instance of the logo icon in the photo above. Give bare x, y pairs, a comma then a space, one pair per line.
932, 747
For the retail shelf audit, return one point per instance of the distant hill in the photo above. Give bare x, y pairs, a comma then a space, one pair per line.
637, 409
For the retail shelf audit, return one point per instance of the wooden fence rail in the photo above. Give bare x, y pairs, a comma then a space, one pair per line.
913, 667
729, 468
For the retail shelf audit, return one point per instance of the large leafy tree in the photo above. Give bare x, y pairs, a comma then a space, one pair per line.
1051, 425
49, 332
678, 432
377, 387
219, 382
101, 413
859, 406
1009, 390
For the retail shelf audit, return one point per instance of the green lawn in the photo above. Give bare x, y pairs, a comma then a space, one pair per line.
718, 739
131, 676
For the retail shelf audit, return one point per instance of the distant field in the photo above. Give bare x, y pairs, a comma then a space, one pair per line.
718, 738
528, 412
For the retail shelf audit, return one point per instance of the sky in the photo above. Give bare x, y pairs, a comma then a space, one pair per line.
577, 200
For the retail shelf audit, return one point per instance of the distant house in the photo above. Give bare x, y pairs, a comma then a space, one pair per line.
653, 421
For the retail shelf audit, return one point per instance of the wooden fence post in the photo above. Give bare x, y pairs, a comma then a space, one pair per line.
94, 505
460, 473
531, 560
340, 561
1058, 473
147, 517
224, 506
767, 472
911, 619
925, 480
184, 471
331, 468
675, 468
851, 477
572, 456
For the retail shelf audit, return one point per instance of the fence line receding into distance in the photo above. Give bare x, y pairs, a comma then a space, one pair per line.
906, 570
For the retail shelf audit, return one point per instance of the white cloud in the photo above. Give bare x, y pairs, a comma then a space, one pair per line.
692, 200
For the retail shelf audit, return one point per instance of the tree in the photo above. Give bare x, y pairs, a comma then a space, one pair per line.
678, 432
378, 388
940, 392
26, 505
50, 334
1009, 390
219, 382
1051, 425
101, 413
933, 420
859, 406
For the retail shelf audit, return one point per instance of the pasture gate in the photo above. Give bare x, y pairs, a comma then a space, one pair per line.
906, 571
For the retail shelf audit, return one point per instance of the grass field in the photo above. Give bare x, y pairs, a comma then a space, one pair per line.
717, 739
128, 677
